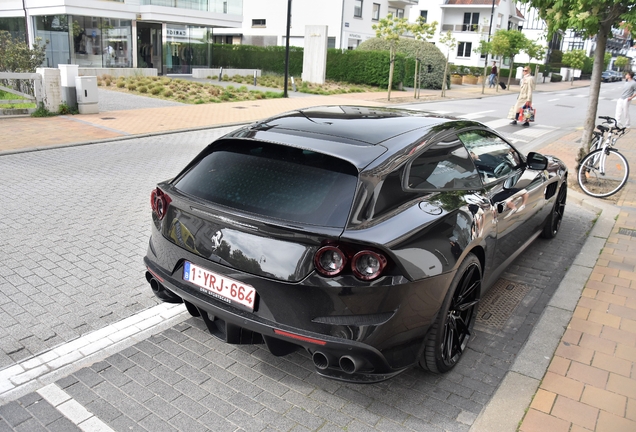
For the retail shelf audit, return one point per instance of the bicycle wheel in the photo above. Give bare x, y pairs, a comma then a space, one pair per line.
603, 173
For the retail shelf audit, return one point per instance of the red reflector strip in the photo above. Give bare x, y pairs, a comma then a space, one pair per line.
299, 337
155, 275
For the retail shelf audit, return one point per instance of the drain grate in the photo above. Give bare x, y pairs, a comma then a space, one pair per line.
107, 118
627, 232
499, 302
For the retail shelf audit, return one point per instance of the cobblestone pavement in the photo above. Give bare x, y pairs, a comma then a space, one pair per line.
74, 230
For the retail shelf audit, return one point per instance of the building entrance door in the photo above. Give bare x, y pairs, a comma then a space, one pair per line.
149, 54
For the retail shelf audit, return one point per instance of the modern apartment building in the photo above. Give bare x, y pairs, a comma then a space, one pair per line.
469, 21
169, 35
349, 22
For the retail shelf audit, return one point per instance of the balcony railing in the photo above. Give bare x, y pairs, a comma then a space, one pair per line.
234, 7
471, 28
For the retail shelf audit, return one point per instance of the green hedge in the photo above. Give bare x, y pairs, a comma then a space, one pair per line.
364, 67
268, 59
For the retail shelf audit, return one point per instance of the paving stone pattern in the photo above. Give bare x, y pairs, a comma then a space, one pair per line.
74, 229
183, 378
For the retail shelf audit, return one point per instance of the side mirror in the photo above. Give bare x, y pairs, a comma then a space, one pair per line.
537, 161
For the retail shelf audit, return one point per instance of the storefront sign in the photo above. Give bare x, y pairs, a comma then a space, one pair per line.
176, 32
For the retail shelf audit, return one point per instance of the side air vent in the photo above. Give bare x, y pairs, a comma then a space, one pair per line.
551, 190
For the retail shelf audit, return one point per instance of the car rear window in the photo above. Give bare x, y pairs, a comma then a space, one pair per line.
274, 181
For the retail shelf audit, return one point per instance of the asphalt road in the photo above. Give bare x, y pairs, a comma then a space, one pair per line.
73, 234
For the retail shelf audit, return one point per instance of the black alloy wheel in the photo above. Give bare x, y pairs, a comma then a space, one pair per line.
553, 223
451, 332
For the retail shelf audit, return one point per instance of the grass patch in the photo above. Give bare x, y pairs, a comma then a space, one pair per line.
10, 96
184, 91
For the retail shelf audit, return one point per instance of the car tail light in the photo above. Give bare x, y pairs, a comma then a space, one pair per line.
330, 261
159, 202
367, 265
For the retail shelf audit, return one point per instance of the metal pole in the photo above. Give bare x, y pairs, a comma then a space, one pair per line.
492, 14
289, 3
26, 24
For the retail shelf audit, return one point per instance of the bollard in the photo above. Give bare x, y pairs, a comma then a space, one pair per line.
254, 78
220, 74
293, 84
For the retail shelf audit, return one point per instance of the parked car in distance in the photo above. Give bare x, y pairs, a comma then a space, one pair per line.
365, 236
607, 76
618, 76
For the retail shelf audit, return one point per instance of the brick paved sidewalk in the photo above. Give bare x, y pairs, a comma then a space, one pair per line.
590, 384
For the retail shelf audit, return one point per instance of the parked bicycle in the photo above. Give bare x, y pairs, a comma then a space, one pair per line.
604, 171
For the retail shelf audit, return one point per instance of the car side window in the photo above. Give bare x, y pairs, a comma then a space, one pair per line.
443, 165
493, 157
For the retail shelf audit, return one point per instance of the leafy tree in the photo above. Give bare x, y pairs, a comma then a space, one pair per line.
621, 62
484, 48
575, 59
535, 51
450, 43
509, 43
16, 56
606, 60
422, 31
592, 18
390, 29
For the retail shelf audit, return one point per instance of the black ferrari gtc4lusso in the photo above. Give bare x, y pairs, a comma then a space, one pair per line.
364, 235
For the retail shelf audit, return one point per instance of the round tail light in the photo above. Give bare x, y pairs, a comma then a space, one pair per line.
367, 265
159, 202
329, 260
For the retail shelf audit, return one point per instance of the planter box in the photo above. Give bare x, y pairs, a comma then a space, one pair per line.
469, 79
457, 80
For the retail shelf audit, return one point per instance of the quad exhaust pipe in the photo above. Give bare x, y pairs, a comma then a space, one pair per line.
347, 363
160, 291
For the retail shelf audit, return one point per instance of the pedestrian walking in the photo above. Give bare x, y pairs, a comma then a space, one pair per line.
524, 101
493, 76
622, 105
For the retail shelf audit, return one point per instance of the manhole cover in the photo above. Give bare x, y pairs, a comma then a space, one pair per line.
499, 302
627, 232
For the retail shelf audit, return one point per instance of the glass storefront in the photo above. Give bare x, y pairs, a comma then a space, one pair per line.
85, 41
187, 47
15, 26
217, 6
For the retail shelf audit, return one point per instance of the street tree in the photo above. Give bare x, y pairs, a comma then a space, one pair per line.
621, 62
450, 42
390, 29
483, 49
16, 56
535, 51
422, 31
509, 43
575, 60
593, 18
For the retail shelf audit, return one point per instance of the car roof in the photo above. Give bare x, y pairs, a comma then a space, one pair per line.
355, 133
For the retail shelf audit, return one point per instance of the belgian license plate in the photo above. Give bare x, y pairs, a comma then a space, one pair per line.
220, 287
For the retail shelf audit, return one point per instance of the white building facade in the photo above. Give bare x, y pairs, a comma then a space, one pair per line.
469, 21
168, 35
349, 22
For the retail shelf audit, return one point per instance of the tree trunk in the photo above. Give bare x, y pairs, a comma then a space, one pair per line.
444, 78
391, 73
595, 86
415, 79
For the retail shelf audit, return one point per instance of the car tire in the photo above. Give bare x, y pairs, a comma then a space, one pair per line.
449, 335
553, 222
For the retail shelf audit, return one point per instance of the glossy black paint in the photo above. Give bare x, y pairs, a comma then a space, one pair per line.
424, 234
